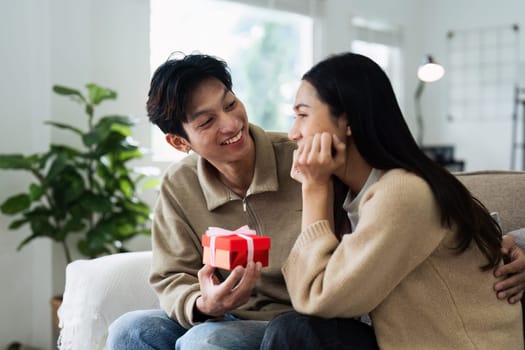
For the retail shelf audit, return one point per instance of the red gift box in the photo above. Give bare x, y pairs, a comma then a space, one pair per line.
226, 249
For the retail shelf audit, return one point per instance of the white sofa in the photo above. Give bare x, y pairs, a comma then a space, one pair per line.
97, 292
100, 290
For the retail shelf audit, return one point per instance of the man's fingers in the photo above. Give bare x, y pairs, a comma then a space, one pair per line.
233, 279
238, 287
507, 242
206, 275
516, 264
251, 274
513, 293
510, 285
516, 298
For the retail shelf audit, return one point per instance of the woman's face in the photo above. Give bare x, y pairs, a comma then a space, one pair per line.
217, 126
313, 116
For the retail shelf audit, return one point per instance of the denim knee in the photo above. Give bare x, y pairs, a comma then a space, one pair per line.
223, 335
143, 330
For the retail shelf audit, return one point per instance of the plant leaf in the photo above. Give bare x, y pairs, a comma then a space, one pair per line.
66, 91
68, 187
96, 203
67, 151
98, 93
17, 161
40, 226
116, 119
131, 154
150, 183
17, 223
35, 192
65, 126
91, 138
16, 204
73, 225
126, 186
137, 208
27, 240
57, 167
77, 190
116, 123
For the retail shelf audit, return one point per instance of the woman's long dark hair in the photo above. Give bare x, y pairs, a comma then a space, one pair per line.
355, 85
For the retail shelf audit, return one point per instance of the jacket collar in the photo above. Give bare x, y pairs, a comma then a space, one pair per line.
264, 178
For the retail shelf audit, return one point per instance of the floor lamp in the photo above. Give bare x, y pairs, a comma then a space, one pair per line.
429, 71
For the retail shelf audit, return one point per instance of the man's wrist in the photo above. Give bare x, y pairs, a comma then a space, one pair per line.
198, 315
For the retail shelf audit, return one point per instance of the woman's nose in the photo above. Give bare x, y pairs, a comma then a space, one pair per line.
294, 134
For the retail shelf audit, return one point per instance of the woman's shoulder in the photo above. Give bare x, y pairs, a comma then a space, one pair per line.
403, 184
403, 178
400, 193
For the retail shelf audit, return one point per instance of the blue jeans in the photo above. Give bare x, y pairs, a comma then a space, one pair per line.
153, 329
292, 330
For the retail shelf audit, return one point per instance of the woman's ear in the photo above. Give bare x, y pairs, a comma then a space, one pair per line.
178, 142
343, 123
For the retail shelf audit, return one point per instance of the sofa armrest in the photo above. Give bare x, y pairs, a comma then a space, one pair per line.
97, 292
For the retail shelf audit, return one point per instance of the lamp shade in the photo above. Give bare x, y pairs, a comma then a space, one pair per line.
430, 71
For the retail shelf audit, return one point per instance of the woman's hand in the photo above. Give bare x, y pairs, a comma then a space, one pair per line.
316, 159
314, 162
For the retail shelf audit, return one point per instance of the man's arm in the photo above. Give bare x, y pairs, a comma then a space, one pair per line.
519, 237
187, 291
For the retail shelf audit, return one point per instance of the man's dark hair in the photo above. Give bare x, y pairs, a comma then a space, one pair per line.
172, 85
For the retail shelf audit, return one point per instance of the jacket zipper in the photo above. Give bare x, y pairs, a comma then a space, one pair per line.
246, 208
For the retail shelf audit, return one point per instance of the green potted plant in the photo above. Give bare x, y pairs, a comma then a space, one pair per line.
89, 191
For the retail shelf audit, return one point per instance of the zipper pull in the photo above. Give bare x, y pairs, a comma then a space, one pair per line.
244, 204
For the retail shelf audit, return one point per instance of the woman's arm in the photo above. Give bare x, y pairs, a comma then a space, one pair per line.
313, 166
368, 264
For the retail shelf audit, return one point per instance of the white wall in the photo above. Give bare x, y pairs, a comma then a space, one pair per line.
73, 42
46, 42
24, 103
483, 144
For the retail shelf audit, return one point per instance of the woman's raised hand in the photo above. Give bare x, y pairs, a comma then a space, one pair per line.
316, 158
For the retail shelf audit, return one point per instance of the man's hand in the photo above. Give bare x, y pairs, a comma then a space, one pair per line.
219, 298
512, 285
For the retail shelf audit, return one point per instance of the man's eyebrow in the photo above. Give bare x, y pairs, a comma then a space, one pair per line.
204, 111
299, 105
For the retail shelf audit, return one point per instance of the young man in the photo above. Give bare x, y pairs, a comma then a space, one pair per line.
237, 175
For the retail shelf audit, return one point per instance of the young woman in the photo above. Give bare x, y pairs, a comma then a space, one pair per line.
422, 249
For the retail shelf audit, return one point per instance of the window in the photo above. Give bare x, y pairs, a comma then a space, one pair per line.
382, 44
266, 50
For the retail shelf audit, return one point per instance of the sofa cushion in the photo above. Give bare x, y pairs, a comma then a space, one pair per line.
500, 191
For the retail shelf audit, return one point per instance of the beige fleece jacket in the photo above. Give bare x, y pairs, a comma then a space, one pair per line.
192, 199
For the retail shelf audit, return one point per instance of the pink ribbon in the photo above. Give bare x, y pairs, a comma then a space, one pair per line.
243, 232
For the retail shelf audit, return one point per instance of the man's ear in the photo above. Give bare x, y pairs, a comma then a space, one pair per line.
178, 142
